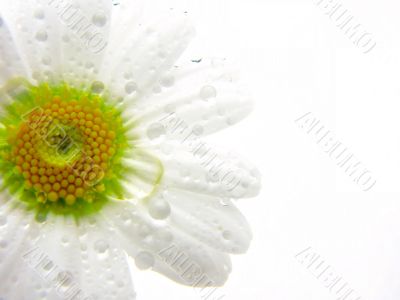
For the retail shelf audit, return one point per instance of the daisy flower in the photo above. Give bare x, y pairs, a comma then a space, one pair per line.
101, 156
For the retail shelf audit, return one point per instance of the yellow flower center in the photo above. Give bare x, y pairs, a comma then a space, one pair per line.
63, 150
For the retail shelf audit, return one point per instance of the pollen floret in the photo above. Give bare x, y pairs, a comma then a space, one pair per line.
64, 150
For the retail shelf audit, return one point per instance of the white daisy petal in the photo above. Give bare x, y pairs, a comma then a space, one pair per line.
11, 65
145, 173
201, 168
71, 48
147, 54
13, 231
195, 99
167, 249
215, 222
34, 287
82, 256
36, 31
17, 258
59, 250
127, 17
104, 261
85, 27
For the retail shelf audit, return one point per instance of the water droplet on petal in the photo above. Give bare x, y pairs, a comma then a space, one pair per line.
167, 81
3, 244
3, 220
224, 202
41, 35
46, 60
155, 130
126, 218
198, 130
99, 19
227, 235
39, 14
48, 266
83, 247
159, 209
144, 260
208, 92
131, 87
101, 246
66, 39
157, 89
169, 108
65, 241
97, 87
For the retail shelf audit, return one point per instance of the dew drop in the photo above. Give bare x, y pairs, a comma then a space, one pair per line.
41, 35
48, 266
155, 130
212, 177
66, 39
120, 284
144, 260
157, 89
92, 221
225, 202
126, 218
41, 217
64, 279
131, 87
227, 235
1, 22
97, 87
99, 19
128, 75
198, 130
208, 92
65, 241
39, 14
159, 209
169, 108
46, 60
101, 246
3, 244
83, 247
3, 220
144, 230
167, 81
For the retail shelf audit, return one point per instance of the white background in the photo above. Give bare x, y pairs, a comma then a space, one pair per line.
295, 60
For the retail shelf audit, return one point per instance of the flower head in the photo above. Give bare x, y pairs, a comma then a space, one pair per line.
101, 152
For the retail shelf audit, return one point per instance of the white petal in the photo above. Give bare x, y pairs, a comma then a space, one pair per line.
61, 40
11, 65
19, 280
217, 223
198, 99
85, 27
166, 249
147, 53
202, 168
13, 231
106, 267
145, 172
23, 282
127, 18
36, 31
82, 259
